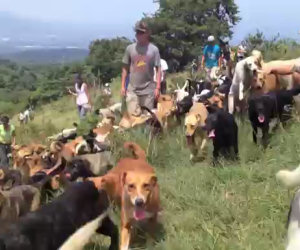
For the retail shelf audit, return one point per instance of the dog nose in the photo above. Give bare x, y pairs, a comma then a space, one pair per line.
139, 202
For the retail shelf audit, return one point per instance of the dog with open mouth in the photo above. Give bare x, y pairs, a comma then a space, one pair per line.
264, 108
132, 185
223, 130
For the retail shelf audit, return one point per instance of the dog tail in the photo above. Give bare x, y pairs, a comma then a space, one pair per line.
288, 178
137, 151
81, 237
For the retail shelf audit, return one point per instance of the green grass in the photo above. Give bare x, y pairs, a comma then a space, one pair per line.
236, 206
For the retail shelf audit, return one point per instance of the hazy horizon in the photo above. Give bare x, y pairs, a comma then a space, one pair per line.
76, 23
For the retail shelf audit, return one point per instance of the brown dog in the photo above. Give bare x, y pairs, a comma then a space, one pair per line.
18, 201
165, 108
194, 122
132, 184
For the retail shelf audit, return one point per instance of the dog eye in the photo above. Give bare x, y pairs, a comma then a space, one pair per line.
131, 186
146, 186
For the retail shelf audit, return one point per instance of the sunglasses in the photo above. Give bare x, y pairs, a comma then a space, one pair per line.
138, 32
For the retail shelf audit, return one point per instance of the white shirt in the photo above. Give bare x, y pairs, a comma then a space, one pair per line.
241, 51
163, 67
81, 95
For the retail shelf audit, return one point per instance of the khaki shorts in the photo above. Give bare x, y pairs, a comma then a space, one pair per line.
212, 73
134, 102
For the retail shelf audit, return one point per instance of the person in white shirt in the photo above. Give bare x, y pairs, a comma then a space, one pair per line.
163, 83
241, 52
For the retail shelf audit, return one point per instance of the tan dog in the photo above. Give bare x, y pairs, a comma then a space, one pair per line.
130, 121
103, 131
21, 151
132, 184
165, 108
267, 82
195, 135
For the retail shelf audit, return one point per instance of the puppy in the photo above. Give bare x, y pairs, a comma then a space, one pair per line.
50, 226
194, 123
223, 130
132, 184
18, 201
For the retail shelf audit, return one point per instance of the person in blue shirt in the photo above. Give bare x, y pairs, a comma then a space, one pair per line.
211, 59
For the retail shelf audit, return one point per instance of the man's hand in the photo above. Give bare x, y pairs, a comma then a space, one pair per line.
157, 93
123, 92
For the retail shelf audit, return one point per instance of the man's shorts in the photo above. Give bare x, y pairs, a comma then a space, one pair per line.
212, 73
134, 102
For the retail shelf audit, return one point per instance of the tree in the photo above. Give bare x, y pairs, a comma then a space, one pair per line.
180, 27
106, 57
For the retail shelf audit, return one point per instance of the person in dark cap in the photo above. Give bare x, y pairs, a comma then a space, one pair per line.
141, 59
7, 139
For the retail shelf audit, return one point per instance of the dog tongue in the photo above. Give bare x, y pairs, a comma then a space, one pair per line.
212, 134
68, 175
261, 118
139, 214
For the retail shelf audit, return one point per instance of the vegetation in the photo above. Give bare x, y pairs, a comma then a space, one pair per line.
180, 28
234, 206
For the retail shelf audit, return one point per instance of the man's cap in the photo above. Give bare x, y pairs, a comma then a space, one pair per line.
141, 26
211, 39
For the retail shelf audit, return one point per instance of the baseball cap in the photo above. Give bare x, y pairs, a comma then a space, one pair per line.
210, 38
141, 26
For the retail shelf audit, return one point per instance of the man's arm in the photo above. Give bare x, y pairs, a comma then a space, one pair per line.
202, 63
220, 61
125, 69
13, 141
158, 77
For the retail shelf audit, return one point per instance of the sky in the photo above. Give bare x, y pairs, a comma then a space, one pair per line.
89, 12
269, 16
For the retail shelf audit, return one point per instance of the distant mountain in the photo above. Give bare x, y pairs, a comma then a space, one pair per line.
19, 34
48, 56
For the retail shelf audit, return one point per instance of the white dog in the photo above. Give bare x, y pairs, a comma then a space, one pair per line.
292, 179
289, 178
243, 78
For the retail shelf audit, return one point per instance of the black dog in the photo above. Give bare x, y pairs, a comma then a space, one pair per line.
183, 107
78, 169
223, 130
266, 107
49, 227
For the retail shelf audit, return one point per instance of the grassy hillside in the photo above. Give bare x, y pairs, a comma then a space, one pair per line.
236, 206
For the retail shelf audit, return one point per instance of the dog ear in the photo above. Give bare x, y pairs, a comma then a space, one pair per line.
211, 109
2, 174
8, 185
153, 181
123, 180
2, 199
198, 117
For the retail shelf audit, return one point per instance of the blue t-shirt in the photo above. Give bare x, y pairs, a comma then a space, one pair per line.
212, 54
